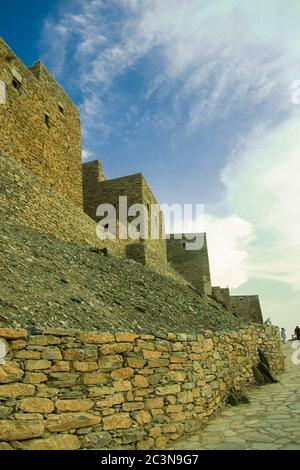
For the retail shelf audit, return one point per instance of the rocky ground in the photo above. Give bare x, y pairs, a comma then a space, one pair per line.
49, 282
270, 422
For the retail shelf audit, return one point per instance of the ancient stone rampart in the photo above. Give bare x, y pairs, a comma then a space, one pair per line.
40, 125
65, 389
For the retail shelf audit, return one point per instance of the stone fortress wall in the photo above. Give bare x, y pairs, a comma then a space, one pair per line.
99, 190
193, 265
64, 389
246, 307
40, 125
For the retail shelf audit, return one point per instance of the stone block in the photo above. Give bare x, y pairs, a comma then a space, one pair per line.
29, 416
52, 354
100, 391
122, 385
25, 354
117, 421
96, 338
35, 377
36, 405
95, 378
62, 442
135, 362
122, 374
19, 431
110, 362
126, 337
10, 372
8, 333
133, 435
140, 381
168, 390
154, 403
41, 340
143, 417
116, 348
17, 344
151, 354
134, 406
16, 390
37, 364
85, 366
111, 400
67, 421
74, 405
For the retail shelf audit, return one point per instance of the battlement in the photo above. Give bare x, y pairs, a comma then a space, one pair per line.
40, 125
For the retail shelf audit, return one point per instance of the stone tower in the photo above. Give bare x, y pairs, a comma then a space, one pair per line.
193, 265
40, 125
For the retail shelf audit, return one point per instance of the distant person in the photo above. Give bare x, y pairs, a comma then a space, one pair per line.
283, 335
297, 333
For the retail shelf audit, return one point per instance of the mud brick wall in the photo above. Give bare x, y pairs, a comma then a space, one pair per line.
81, 390
40, 125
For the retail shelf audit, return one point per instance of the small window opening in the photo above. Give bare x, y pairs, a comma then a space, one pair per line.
61, 109
47, 120
184, 245
16, 84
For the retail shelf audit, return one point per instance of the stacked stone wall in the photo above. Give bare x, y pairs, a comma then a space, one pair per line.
246, 307
192, 265
64, 389
97, 190
40, 125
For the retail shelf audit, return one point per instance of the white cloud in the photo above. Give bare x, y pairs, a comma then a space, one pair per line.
87, 156
229, 239
221, 54
261, 241
264, 189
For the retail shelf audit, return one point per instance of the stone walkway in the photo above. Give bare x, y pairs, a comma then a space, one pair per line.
270, 422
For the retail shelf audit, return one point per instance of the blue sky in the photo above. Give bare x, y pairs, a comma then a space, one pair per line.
197, 96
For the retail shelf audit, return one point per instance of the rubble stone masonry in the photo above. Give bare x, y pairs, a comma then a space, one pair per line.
64, 389
40, 125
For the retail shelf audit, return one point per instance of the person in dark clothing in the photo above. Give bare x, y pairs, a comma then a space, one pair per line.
297, 333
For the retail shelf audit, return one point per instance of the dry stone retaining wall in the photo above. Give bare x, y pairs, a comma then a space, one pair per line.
64, 389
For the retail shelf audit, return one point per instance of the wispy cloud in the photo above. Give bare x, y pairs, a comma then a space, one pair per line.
200, 62
212, 57
263, 188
